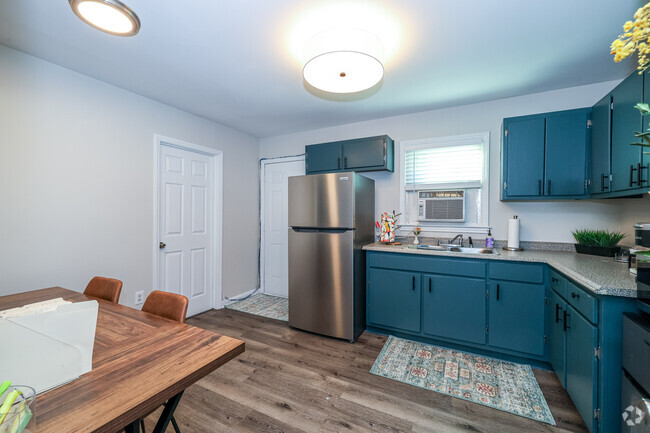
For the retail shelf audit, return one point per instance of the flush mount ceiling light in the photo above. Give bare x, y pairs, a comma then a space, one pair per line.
343, 61
110, 16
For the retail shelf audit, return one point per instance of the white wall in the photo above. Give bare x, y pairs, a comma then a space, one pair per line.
540, 221
76, 181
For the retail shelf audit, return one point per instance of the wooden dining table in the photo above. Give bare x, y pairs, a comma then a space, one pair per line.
140, 361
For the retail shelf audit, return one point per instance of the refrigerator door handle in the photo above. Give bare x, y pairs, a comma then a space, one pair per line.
319, 230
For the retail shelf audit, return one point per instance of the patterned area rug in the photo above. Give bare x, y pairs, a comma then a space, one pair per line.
498, 384
273, 307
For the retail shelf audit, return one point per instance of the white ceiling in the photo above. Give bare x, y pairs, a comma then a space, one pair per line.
238, 62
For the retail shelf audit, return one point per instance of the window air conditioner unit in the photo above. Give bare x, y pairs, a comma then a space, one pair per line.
441, 206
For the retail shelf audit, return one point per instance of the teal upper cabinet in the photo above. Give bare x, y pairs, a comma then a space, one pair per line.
523, 156
626, 120
323, 157
361, 154
544, 155
601, 141
567, 138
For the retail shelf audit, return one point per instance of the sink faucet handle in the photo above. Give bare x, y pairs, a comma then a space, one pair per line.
470, 242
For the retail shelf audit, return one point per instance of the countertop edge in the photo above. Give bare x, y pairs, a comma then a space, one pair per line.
577, 277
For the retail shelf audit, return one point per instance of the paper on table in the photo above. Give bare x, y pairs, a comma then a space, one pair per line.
48, 349
36, 307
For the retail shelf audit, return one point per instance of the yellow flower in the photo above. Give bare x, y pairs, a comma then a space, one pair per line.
628, 26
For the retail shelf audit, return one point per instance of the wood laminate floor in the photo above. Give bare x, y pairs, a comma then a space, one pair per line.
293, 381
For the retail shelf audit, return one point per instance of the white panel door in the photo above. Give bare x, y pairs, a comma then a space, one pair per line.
186, 207
276, 252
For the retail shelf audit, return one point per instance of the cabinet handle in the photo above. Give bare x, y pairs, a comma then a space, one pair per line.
632, 170
413, 282
345, 162
497, 292
338, 162
602, 182
554, 280
429, 285
548, 191
646, 342
557, 313
575, 295
564, 317
539, 187
639, 178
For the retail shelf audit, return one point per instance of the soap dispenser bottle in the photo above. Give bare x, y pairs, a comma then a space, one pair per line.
489, 241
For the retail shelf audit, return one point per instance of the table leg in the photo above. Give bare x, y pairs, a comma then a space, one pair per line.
134, 427
167, 414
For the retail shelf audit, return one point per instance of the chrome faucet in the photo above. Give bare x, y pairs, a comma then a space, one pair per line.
451, 242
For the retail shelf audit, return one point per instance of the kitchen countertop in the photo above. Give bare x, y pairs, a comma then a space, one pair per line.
601, 275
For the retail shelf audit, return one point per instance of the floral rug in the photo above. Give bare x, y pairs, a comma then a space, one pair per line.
491, 382
273, 307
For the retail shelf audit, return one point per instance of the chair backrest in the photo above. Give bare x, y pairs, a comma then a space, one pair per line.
108, 289
167, 305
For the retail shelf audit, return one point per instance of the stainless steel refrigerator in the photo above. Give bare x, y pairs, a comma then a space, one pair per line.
331, 217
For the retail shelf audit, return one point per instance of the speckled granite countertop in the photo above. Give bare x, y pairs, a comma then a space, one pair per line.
601, 275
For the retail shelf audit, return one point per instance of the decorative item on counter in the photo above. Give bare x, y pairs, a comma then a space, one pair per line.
387, 225
597, 242
513, 235
489, 241
416, 231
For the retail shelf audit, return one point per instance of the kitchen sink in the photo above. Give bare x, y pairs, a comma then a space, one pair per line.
455, 249
472, 250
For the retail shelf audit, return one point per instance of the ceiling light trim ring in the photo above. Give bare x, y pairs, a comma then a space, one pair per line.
115, 4
319, 84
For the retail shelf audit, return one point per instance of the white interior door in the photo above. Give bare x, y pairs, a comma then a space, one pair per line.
275, 217
186, 254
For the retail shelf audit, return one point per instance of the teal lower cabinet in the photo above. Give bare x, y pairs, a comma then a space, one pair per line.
582, 365
556, 338
454, 307
584, 349
394, 300
526, 312
516, 316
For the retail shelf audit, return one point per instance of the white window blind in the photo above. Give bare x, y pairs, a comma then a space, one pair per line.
451, 166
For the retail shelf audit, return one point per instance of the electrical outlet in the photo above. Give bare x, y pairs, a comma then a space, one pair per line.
139, 297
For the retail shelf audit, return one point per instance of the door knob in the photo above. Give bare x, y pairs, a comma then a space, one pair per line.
162, 245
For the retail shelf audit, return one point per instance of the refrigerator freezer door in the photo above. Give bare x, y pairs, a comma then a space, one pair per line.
322, 200
321, 287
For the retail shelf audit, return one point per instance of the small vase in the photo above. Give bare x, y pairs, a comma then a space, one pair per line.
415, 240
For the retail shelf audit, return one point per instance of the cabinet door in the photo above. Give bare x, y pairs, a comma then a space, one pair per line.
364, 153
524, 157
581, 365
394, 299
566, 153
323, 157
556, 339
516, 316
454, 307
601, 142
626, 120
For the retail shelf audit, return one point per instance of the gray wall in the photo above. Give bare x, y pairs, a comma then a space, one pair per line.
540, 221
76, 177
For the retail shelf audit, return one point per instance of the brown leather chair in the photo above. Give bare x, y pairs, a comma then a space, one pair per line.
174, 307
167, 305
108, 289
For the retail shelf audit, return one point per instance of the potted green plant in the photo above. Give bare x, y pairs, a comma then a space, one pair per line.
597, 242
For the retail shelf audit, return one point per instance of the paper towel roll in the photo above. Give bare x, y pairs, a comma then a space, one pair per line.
513, 232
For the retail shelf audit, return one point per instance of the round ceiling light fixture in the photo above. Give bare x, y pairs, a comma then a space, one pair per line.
110, 16
343, 61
